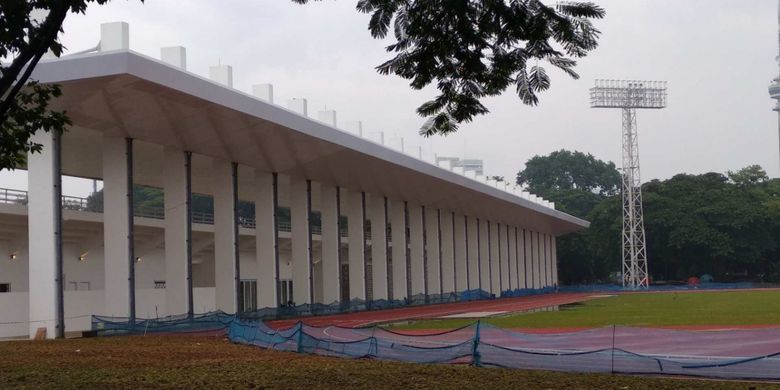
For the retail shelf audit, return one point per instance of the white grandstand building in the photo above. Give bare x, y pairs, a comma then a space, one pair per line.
143, 121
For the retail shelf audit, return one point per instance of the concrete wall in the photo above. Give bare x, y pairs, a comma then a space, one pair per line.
14, 271
14, 306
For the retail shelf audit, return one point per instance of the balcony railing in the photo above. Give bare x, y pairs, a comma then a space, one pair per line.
11, 196
74, 203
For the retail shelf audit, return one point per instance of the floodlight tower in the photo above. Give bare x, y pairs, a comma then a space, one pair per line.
774, 88
629, 95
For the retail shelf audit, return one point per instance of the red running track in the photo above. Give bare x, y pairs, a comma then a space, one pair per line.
367, 318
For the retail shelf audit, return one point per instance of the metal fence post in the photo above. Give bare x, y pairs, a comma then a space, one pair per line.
612, 358
300, 337
476, 359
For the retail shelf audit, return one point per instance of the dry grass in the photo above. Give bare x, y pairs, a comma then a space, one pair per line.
213, 362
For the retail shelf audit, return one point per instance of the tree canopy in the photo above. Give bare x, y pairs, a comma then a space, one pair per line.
468, 49
29, 29
575, 181
725, 225
749, 175
706, 224
565, 170
473, 49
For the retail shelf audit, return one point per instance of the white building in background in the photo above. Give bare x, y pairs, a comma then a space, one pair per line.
142, 121
468, 164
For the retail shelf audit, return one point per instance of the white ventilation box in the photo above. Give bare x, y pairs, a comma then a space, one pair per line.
298, 105
327, 116
174, 55
264, 92
114, 36
222, 74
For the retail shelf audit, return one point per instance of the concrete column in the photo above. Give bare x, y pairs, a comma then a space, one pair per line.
433, 251
529, 259
266, 239
447, 245
357, 245
522, 275
45, 243
511, 245
548, 260
542, 259
503, 257
226, 271
300, 212
398, 228
473, 253
416, 249
178, 292
555, 258
117, 226
495, 258
485, 251
460, 244
378, 217
537, 259
331, 240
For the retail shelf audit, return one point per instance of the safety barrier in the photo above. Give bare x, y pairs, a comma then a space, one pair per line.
668, 287
604, 350
735, 354
211, 321
356, 305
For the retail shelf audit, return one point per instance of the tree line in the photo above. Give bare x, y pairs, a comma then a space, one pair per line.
725, 225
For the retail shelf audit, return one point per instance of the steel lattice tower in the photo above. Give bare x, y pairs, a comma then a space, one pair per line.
629, 96
774, 88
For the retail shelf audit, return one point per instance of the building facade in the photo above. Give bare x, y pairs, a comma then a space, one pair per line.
468, 165
365, 221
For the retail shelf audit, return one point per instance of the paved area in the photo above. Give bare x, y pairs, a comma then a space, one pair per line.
500, 305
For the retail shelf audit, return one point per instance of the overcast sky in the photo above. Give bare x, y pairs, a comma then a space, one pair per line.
718, 57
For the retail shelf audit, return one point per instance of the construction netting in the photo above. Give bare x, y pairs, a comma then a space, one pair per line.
206, 322
732, 354
667, 287
743, 354
356, 305
106, 325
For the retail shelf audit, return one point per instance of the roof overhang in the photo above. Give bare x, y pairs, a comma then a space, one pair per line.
126, 94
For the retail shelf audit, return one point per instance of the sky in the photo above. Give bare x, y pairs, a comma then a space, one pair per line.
718, 57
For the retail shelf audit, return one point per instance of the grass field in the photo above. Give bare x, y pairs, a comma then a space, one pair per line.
646, 309
213, 362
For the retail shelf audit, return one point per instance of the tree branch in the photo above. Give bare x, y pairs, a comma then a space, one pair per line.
39, 44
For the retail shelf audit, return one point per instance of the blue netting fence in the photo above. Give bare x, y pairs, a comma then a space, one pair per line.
736, 354
206, 322
356, 305
740, 354
668, 287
